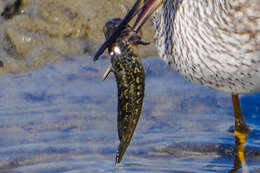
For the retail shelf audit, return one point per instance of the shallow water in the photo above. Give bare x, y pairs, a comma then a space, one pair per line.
62, 118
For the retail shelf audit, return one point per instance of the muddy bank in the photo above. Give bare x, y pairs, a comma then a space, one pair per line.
36, 32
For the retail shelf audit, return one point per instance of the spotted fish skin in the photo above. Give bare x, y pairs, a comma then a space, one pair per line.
130, 77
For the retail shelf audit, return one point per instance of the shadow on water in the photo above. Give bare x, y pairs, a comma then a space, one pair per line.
62, 118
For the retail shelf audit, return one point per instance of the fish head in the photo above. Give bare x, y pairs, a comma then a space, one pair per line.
127, 40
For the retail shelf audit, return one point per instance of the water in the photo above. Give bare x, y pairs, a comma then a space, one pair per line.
62, 118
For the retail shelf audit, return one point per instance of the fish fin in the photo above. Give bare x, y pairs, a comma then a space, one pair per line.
137, 40
143, 42
107, 72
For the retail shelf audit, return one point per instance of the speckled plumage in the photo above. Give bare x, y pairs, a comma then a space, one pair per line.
215, 43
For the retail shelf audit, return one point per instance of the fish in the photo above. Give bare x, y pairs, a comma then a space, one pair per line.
127, 66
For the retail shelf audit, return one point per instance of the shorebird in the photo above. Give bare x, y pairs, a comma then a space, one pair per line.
215, 43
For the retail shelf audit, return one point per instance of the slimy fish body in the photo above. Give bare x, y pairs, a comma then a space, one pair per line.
130, 77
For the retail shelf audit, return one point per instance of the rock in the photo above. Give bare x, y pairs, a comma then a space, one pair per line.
12, 9
1, 64
40, 55
53, 29
12, 65
25, 42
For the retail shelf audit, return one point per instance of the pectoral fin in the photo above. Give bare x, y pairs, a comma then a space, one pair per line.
107, 72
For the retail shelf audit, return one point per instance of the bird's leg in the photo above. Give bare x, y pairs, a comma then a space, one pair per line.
241, 131
240, 124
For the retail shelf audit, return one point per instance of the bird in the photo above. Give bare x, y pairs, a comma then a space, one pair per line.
215, 43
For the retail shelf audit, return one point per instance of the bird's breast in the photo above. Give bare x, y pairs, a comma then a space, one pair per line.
212, 42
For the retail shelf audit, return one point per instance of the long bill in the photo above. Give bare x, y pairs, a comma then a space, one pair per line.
147, 10
142, 8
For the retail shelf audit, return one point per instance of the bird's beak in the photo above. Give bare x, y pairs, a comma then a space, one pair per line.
142, 8
146, 11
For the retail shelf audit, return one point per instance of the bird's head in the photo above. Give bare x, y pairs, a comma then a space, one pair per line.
143, 9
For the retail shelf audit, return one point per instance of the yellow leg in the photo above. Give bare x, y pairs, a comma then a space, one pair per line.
241, 131
239, 154
240, 124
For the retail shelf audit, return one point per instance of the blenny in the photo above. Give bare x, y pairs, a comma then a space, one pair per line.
130, 77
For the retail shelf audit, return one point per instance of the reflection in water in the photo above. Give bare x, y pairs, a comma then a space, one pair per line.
198, 152
65, 122
241, 132
239, 154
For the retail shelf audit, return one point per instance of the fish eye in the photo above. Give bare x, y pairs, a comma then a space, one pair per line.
115, 50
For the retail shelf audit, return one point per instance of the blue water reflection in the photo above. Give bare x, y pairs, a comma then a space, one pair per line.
62, 118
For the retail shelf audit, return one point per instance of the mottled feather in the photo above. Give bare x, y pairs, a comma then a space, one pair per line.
215, 43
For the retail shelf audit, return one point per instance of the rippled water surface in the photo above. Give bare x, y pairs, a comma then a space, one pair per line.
62, 118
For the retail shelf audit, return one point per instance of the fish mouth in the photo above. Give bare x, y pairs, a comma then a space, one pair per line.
143, 9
